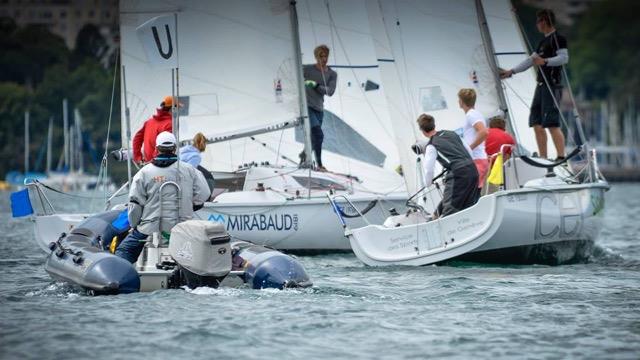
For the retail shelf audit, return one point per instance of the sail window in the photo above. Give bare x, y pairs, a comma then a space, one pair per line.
431, 99
313, 183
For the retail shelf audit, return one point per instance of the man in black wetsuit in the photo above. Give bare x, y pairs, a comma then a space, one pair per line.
551, 54
461, 181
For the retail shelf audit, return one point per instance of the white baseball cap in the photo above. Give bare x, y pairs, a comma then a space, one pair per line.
165, 139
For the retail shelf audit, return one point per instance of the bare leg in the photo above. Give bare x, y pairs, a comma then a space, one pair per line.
541, 140
558, 140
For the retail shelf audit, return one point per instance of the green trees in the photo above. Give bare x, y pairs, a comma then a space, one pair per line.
38, 73
606, 50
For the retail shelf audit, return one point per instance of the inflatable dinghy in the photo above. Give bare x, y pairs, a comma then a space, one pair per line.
200, 253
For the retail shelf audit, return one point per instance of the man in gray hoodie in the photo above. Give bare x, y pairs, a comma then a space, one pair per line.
147, 196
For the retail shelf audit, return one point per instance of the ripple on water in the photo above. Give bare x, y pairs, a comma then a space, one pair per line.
452, 310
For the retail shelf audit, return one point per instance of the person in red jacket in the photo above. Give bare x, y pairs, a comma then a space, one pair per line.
146, 136
497, 137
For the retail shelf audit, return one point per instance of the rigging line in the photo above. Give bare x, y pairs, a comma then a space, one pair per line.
340, 94
395, 66
368, 102
528, 43
105, 158
275, 176
405, 85
573, 101
279, 145
393, 190
260, 31
277, 152
515, 130
244, 151
230, 155
313, 27
73, 195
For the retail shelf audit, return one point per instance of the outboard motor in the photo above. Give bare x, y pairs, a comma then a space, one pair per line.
202, 252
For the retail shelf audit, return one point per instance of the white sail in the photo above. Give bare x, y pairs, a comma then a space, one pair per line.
363, 142
423, 69
238, 72
510, 50
231, 55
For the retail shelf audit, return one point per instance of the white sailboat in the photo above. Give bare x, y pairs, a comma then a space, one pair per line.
73, 176
240, 84
535, 217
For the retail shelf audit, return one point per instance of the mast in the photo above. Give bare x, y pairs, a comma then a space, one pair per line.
72, 154
176, 75
304, 117
78, 142
490, 51
127, 116
26, 142
49, 138
65, 132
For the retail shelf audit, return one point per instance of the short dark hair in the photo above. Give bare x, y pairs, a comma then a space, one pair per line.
426, 122
497, 122
547, 16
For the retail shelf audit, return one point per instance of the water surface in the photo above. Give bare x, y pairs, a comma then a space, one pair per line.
462, 310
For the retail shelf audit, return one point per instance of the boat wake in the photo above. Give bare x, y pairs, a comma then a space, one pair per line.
57, 289
607, 257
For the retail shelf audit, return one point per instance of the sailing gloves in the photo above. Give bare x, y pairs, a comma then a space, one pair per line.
310, 83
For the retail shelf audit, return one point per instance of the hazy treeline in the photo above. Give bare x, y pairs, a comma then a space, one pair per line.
38, 72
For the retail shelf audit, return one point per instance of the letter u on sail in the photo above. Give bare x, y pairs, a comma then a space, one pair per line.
157, 37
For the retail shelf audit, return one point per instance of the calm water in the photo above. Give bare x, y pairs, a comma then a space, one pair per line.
464, 310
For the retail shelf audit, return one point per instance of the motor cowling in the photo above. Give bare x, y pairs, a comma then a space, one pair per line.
202, 251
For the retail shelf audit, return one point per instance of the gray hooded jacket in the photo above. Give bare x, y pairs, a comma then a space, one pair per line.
144, 195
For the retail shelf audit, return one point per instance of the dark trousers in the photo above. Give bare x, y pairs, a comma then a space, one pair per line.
131, 247
460, 190
317, 136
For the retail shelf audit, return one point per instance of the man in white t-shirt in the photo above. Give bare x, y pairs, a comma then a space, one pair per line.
474, 132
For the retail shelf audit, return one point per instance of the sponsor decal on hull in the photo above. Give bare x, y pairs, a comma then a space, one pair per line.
257, 222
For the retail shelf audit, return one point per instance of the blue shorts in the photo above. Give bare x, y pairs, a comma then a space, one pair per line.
543, 109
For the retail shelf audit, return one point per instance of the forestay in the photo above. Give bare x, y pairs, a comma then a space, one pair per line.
510, 50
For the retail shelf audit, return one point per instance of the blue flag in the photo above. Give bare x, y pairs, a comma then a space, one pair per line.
20, 203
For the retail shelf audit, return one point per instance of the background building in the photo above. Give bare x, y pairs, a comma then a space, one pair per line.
65, 18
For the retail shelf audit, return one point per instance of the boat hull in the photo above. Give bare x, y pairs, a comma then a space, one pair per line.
299, 225
553, 226
549, 225
80, 258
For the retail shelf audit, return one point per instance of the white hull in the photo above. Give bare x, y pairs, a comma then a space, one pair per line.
295, 224
515, 219
265, 218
